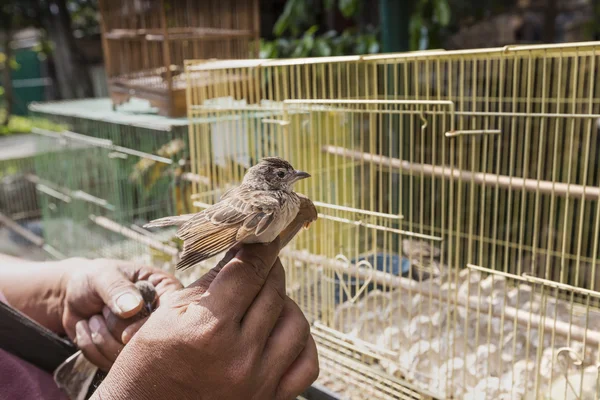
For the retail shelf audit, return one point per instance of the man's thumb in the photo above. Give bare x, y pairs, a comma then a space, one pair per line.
119, 293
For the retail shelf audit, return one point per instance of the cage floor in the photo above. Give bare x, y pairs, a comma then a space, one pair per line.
349, 375
480, 352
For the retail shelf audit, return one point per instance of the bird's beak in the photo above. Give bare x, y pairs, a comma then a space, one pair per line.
298, 175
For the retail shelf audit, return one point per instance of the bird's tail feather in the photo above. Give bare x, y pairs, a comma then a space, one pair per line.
203, 247
169, 221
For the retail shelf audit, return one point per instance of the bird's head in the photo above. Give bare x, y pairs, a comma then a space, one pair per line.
273, 173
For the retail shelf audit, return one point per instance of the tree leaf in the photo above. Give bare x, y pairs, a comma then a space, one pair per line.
348, 8
322, 48
297, 48
283, 22
442, 12
414, 28
329, 35
14, 64
373, 46
308, 43
311, 31
268, 49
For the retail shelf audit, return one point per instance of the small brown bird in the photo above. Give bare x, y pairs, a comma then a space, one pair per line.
263, 207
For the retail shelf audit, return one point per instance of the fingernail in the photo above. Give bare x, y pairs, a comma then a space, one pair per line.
125, 337
79, 331
94, 325
128, 302
105, 312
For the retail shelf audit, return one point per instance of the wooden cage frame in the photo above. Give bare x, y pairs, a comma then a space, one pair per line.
145, 43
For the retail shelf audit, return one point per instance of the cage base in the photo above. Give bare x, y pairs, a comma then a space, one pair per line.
168, 105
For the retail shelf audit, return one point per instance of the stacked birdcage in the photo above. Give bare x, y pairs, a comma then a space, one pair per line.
456, 253
19, 208
145, 43
104, 176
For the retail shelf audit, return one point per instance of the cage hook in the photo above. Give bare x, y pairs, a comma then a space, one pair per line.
363, 263
575, 357
424, 120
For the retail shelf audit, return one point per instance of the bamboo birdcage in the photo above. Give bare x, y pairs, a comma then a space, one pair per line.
145, 43
456, 253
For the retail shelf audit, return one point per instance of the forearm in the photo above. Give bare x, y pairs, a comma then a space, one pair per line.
35, 288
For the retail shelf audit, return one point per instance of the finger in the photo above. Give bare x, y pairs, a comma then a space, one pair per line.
115, 325
118, 292
237, 284
131, 330
122, 329
307, 214
264, 312
164, 285
163, 282
87, 346
197, 288
69, 321
202, 284
288, 339
301, 374
108, 346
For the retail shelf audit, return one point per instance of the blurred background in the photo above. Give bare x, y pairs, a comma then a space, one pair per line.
52, 49
440, 267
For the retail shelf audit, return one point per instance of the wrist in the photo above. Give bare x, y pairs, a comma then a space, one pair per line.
127, 379
37, 289
54, 277
117, 386
63, 273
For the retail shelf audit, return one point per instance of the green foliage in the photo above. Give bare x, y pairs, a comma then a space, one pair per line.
17, 13
299, 21
349, 8
20, 124
592, 27
85, 19
296, 13
328, 44
427, 23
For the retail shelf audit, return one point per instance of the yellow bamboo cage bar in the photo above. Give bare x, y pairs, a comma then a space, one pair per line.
456, 253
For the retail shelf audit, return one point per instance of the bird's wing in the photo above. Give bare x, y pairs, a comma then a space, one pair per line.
228, 192
307, 214
241, 214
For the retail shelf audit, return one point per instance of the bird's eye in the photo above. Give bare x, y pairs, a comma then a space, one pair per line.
281, 174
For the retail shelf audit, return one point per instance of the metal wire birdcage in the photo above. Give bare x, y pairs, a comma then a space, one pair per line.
457, 246
19, 207
100, 179
145, 43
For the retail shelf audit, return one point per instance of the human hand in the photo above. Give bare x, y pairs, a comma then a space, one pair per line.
100, 301
233, 334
